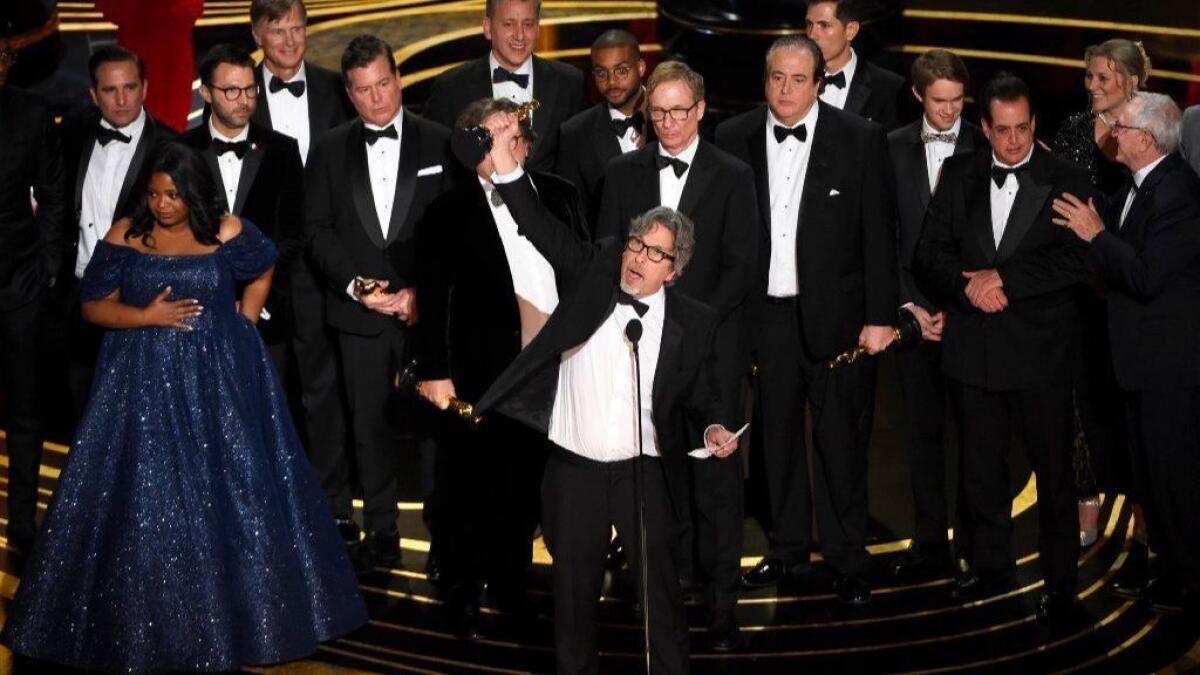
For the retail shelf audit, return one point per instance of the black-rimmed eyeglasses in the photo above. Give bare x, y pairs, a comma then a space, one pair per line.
653, 253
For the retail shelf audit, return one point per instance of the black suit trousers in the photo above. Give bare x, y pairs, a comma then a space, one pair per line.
370, 367
1042, 416
1164, 433
581, 500
19, 332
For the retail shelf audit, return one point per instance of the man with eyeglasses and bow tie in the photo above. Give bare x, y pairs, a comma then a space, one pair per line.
614, 126
369, 184
258, 171
825, 282
105, 145
1007, 278
716, 191
512, 71
850, 83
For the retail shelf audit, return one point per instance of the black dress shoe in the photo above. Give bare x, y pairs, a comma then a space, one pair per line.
724, 634
771, 571
970, 584
433, 570
348, 530
462, 612
852, 590
1056, 606
381, 549
614, 559
922, 560
1133, 579
1168, 596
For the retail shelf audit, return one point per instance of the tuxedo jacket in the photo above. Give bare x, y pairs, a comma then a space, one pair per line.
874, 94
586, 144
1189, 137
685, 395
911, 182
470, 329
270, 194
328, 105
845, 236
557, 86
78, 132
342, 229
1151, 267
718, 197
1028, 343
30, 157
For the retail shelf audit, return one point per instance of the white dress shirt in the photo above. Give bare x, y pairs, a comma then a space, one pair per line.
532, 275
102, 187
289, 114
1005, 196
383, 166
1138, 177
510, 90
787, 166
594, 403
836, 96
936, 152
629, 142
670, 187
229, 163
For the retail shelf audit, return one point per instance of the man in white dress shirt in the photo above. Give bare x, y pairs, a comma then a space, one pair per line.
852, 84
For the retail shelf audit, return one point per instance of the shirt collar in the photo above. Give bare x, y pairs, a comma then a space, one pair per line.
1140, 174
926, 127
655, 300
395, 122
1021, 163
134, 128
688, 154
809, 120
301, 76
850, 68
216, 135
525, 68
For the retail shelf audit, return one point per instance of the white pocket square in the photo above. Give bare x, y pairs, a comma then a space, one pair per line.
430, 170
834, 192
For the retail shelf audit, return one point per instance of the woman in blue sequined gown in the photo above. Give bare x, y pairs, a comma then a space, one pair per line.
187, 531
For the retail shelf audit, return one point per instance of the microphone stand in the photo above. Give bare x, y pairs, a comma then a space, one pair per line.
633, 331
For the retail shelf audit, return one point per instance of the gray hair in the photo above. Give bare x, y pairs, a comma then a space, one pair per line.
680, 225
1158, 115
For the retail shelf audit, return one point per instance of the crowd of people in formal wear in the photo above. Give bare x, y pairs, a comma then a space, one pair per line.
617, 293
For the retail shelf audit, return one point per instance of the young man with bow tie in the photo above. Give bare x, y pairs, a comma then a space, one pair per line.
825, 282
512, 71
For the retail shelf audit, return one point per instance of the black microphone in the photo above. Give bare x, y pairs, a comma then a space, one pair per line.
633, 331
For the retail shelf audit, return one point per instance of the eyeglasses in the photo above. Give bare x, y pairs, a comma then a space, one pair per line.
1117, 127
653, 253
8, 56
620, 72
677, 114
234, 93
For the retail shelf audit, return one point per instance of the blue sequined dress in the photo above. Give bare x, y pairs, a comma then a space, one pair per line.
187, 531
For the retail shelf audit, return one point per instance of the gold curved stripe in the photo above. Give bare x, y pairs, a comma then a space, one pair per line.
1039, 59
729, 30
207, 22
472, 667
403, 667
1129, 642
419, 76
1057, 21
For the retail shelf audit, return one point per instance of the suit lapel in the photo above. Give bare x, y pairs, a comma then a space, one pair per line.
85, 157
824, 140
149, 136
756, 151
979, 206
918, 165
860, 90
321, 102
668, 353
603, 139
544, 87
210, 159
262, 112
1031, 197
406, 177
360, 184
650, 193
703, 170
250, 164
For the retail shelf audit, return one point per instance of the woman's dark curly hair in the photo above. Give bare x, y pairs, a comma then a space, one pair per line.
195, 185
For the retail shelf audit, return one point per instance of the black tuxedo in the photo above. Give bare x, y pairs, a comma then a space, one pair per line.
470, 331
557, 86
345, 240
270, 195
846, 278
1151, 267
1015, 362
920, 369
328, 105
586, 144
719, 199
30, 253
875, 94
685, 399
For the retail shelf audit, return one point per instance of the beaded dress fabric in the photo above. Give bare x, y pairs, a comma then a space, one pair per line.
187, 531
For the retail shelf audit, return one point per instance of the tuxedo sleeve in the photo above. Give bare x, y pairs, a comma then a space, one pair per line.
48, 192
739, 247
938, 261
566, 252
1172, 244
712, 400
878, 233
324, 246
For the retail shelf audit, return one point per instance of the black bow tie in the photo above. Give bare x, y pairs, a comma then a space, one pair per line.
1000, 173
838, 80
295, 86
501, 75
372, 135
638, 306
104, 135
620, 126
782, 132
239, 148
662, 162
